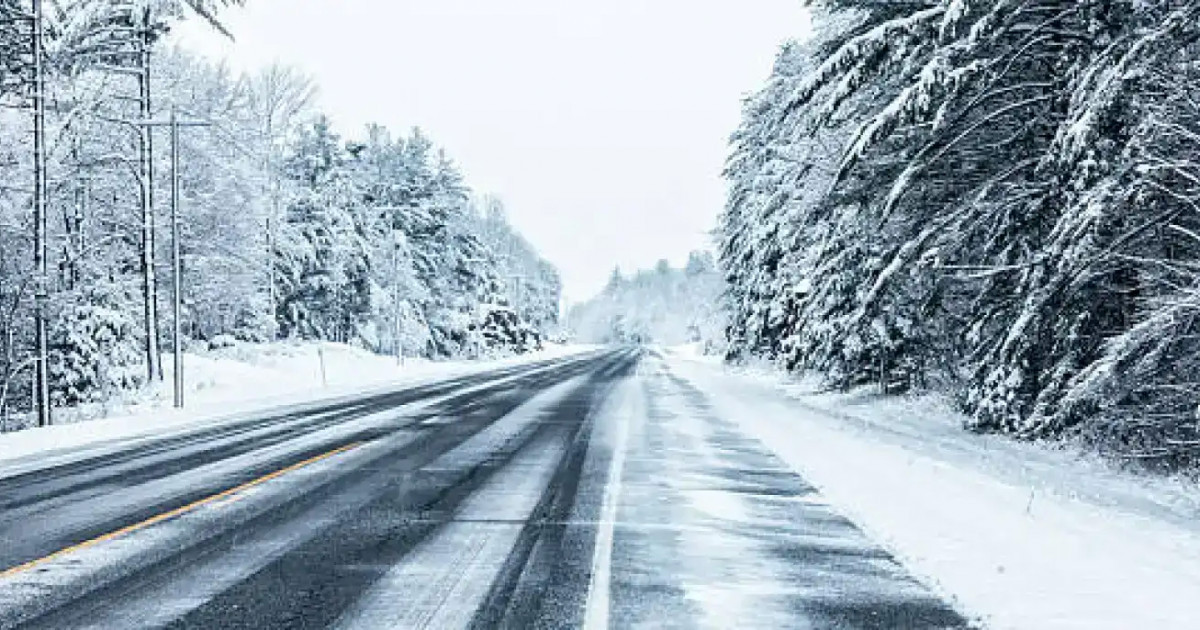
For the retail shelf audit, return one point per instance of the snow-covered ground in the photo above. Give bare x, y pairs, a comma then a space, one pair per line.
1019, 535
245, 379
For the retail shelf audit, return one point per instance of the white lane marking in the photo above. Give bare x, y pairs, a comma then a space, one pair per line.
599, 586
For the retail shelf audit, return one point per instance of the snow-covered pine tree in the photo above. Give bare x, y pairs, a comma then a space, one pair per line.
323, 264
531, 284
94, 348
461, 270
663, 305
996, 209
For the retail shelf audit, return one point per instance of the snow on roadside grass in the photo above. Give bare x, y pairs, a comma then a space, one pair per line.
1021, 535
242, 380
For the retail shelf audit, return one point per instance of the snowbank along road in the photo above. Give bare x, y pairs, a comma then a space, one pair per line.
593, 491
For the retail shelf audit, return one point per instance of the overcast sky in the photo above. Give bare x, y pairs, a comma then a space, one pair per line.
603, 125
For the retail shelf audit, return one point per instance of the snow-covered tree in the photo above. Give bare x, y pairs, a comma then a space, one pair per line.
663, 305
288, 228
981, 193
531, 284
94, 349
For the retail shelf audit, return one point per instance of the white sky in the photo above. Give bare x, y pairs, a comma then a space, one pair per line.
603, 125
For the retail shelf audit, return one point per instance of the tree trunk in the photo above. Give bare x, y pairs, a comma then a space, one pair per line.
145, 148
42, 297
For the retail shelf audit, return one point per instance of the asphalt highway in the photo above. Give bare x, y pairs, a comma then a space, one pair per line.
586, 492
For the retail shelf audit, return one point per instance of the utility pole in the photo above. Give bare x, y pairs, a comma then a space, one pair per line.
176, 267
399, 246
519, 298
399, 242
396, 305
272, 193
175, 123
42, 297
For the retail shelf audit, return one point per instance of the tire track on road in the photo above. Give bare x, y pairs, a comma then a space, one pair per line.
24, 543
312, 585
479, 409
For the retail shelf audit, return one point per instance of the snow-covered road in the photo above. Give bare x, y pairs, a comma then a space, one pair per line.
600, 490
1020, 536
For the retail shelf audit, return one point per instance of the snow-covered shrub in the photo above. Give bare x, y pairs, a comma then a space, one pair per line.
222, 342
95, 349
503, 331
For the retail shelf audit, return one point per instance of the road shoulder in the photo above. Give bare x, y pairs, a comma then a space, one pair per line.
1002, 537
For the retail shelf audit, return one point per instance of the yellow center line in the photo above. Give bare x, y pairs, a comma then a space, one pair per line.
21, 568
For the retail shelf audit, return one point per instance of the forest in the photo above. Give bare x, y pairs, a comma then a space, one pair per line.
663, 305
286, 228
994, 199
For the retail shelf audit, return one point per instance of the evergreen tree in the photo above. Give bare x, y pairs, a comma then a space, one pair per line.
977, 192
289, 230
662, 305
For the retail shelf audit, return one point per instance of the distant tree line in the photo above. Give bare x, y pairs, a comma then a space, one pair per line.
995, 198
663, 305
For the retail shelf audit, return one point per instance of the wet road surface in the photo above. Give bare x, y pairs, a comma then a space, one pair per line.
589, 492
